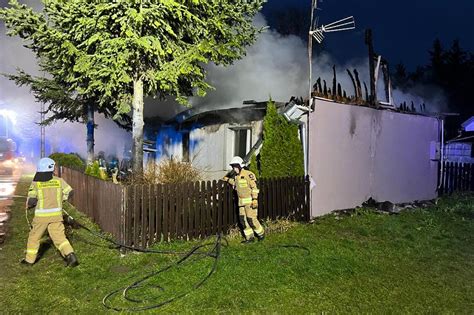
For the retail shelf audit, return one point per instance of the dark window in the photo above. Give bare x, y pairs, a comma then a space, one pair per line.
472, 150
240, 145
186, 147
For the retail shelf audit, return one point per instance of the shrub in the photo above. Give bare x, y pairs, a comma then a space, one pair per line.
169, 171
95, 171
254, 167
282, 151
172, 171
71, 160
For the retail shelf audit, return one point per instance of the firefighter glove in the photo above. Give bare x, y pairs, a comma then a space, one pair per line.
254, 203
69, 220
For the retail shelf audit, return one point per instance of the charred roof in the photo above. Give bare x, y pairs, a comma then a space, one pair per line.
249, 111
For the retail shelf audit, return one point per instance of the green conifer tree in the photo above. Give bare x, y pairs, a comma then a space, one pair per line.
282, 151
253, 167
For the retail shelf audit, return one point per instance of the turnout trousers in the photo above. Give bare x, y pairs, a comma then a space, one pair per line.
55, 231
249, 221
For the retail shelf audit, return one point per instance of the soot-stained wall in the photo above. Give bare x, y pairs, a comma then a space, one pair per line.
357, 152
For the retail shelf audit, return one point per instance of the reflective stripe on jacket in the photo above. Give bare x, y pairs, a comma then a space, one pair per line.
246, 187
50, 195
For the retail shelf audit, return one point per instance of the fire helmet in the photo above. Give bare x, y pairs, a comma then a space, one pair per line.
45, 165
237, 160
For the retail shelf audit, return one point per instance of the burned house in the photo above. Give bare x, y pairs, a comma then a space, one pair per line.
210, 138
361, 148
361, 152
356, 146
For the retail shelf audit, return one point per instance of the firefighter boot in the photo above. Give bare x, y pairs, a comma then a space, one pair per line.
71, 260
25, 263
261, 237
248, 241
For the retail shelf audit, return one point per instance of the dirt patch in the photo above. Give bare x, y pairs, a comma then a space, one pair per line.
120, 269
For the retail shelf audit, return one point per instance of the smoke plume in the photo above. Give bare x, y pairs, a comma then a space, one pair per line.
275, 66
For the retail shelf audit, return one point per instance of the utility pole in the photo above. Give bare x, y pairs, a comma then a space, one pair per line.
43, 132
314, 6
5, 120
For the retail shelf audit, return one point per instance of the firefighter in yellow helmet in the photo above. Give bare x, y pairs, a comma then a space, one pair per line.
244, 182
46, 194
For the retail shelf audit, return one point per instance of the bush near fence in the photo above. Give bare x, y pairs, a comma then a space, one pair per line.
141, 215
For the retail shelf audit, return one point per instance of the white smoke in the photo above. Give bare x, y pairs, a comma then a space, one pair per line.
433, 97
275, 66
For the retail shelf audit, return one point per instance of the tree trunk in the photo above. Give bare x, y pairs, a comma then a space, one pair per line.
90, 133
137, 127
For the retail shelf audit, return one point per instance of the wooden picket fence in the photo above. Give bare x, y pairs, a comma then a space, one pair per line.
141, 215
457, 177
101, 201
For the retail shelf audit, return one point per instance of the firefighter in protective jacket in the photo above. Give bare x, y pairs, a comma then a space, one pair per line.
244, 182
46, 194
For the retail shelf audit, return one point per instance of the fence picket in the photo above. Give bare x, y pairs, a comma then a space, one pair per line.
166, 212
214, 207
220, 205
178, 188
202, 210
195, 209
208, 208
152, 207
159, 213
267, 197
144, 225
172, 212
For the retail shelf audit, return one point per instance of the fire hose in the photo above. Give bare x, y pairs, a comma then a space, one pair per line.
214, 253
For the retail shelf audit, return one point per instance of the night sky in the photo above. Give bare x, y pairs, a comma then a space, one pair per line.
404, 30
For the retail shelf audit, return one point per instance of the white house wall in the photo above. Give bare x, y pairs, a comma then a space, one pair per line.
209, 151
356, 153
403, 170
339, 156
214, 147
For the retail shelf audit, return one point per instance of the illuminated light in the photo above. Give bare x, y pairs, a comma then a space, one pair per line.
7, 189
11, 115
8, 163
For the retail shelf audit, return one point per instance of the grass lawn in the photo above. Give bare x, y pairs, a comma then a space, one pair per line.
421, 261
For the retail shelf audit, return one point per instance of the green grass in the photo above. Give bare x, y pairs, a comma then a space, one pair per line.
420, 261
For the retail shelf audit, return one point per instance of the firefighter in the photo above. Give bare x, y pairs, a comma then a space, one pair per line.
244, 182
46, 194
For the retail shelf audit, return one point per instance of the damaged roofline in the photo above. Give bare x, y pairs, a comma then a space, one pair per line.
195, 113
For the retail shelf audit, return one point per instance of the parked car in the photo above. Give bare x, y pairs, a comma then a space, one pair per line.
7, 156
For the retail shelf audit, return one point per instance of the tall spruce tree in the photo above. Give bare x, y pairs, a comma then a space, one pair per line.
282, 151
125, 50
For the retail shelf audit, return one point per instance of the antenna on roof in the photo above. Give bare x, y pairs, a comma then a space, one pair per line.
317, 33
344, 24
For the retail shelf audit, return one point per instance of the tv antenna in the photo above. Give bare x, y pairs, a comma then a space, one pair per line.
344, 24
317, 32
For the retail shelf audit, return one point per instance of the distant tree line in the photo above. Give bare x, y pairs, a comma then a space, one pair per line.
452, 70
